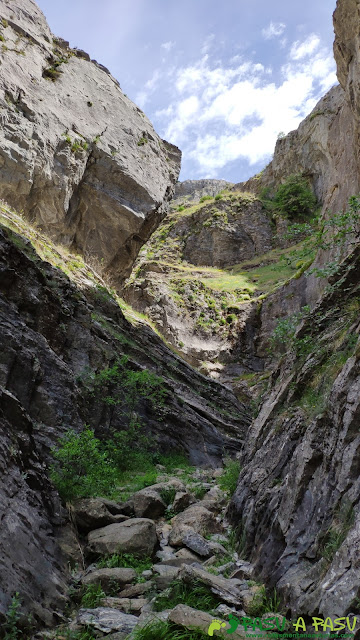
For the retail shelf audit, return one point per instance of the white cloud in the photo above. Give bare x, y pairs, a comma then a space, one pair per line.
274, 30
143, 96
168, 45
303, 49
208, 43
222, 114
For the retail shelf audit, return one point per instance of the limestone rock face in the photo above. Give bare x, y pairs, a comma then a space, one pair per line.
76, 155
193, 190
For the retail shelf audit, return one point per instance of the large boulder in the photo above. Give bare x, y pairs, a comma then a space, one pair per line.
137, 535
227, 590
147, 503
195, 518
93, 513
194, 620
109, 578
107, 619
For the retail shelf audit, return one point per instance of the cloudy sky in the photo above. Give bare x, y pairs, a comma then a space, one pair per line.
219, 79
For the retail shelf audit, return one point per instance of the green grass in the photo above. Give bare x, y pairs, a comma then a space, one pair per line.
194, 595
162, 630
128, 560
228, 481
264, 603
92, 596
168, 495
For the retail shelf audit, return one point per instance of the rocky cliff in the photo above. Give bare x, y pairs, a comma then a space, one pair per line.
218, 280
76, 155
56, 335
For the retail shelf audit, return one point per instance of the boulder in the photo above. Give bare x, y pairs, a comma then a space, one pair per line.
195, 542
192, 619
147, 503
109, 578
226, 589
165, 575
182, 501
136, 589
195, 518
127, 605
93, 513
137, 535
107, 619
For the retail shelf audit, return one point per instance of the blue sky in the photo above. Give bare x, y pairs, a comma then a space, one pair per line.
220, 80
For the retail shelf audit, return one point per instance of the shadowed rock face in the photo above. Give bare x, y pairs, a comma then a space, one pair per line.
75, 153
51, 332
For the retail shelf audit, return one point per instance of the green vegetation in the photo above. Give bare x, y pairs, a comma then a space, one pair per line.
142, 141
263, 603
161, 630
82, 467
205, 198
4, 23
93, 596
12, 631
168, 495
66, 634
293, 199
342, 523
128, 560
228, 480
194, 595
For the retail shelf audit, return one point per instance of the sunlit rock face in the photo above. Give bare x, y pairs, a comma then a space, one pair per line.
76, 154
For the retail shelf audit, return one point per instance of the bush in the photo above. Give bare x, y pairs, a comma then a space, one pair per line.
294, 198
82, 468
228, 480
92, 596
12, 618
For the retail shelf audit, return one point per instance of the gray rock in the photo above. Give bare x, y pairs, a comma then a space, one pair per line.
137, 535
165, 575
227, 590
136, 590
195, 542
106, 619
108, 578
93, 513
147, 503
192, 619
182, 500
126, 605
108, 182
195, 518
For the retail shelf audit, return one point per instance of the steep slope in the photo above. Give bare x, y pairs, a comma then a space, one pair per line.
200, 277
56, 336
76, 155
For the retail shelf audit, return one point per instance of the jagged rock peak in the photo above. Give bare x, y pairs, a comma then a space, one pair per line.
76, 154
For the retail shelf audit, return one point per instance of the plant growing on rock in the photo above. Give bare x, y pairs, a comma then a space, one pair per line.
12, 631
229, 478
294, 198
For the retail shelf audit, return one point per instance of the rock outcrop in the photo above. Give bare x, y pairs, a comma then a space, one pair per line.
55, 333
192, 190
76, 155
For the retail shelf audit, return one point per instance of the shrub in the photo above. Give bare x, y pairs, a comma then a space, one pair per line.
204, 198
294, 198
168, 495
228, 480
12, 618
82, 468
142, 141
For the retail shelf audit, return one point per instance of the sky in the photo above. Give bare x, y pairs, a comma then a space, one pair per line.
221, 80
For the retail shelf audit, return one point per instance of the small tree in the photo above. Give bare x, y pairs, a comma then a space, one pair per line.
294, 198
